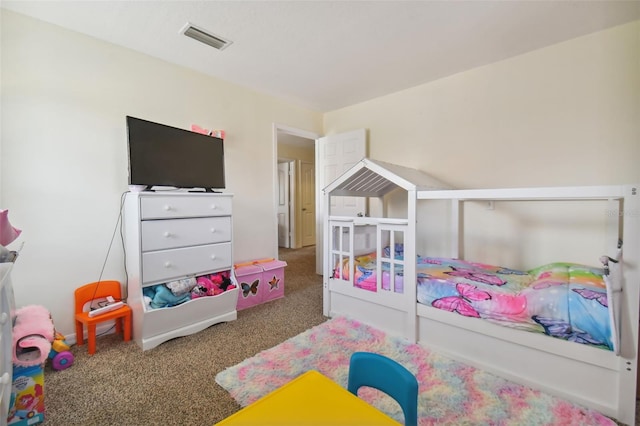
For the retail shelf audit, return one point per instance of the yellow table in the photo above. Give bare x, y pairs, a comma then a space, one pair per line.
309, 399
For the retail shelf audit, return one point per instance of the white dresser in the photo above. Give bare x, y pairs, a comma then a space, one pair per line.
7, 310
171, 235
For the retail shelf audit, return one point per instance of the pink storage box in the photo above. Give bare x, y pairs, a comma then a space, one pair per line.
272, 284
249, 277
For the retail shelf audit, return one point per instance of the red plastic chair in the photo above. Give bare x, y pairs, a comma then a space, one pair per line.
100, 290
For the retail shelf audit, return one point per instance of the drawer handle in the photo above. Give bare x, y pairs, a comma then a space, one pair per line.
167, 264
167, 207
213, 207
213, 257
167, 234
3, 318
5, 379
213, 230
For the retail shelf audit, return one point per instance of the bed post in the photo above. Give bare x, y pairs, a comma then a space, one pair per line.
457, 231
630, 215
326, 294
410, 278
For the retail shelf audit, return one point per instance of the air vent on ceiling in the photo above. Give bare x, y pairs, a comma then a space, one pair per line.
205, 37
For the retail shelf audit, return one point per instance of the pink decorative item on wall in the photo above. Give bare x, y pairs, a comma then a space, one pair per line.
7, 232
213, 132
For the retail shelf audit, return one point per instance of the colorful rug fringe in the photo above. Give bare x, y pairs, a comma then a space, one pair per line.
451, 393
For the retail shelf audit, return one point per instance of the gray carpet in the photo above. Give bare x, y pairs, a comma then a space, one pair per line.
173, 384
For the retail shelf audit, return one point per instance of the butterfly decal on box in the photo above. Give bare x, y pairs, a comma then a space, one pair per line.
599, 296
249, 289
462, 304
476, 276
563, 330
273, 283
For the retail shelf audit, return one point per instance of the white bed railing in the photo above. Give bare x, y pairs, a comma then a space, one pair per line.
350, 237
600, 379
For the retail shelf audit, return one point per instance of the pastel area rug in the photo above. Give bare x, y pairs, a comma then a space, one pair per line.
451, 392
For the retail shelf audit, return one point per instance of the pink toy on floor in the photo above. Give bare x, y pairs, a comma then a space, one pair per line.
33, 333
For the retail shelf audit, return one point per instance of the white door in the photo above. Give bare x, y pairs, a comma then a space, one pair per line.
308, 201
334, 155
283, 205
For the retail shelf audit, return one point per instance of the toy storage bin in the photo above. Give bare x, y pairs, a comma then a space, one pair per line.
272, 286
27, 396
249, 277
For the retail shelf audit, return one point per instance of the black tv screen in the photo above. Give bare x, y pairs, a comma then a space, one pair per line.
161, 155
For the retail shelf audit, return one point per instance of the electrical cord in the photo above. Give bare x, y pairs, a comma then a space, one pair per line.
106, 331
104, 264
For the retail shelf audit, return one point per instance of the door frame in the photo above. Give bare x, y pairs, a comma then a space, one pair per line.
290, 196
295, 132
303, 228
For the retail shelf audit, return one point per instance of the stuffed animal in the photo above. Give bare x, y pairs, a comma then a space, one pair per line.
206, 282
222, 280
212, 285
198, 291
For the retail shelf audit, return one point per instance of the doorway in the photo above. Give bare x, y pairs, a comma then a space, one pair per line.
295, 188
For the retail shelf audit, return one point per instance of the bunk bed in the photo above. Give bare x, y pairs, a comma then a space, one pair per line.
444, 302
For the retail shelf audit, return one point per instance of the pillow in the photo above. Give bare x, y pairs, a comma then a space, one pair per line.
7, 232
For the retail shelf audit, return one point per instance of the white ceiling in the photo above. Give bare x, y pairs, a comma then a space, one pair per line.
326, 55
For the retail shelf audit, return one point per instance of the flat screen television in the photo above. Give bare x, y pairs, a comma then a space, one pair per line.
161, 155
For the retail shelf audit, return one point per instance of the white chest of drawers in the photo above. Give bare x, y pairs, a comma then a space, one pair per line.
169, 236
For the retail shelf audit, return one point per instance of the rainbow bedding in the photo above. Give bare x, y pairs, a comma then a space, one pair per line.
563, 300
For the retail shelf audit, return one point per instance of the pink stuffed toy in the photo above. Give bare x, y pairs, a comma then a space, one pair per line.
205, 287
212, 285
222, 280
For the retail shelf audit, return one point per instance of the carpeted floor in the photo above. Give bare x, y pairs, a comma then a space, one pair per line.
451, 393
173, 384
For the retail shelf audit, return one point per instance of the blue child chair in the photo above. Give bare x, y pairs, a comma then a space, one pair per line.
378, 371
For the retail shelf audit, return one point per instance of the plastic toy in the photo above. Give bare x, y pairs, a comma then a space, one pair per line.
60, 356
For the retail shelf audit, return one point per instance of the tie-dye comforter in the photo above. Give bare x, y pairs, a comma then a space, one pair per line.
563, 300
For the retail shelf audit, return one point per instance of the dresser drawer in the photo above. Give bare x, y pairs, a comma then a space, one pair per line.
173, 233
195, 311
165, 265
166, 207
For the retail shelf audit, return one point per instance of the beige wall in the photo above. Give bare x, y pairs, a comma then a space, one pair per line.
64, 152
564, 115
303, 153
568, 114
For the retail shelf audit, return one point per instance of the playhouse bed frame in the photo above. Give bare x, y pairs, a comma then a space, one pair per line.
599, 379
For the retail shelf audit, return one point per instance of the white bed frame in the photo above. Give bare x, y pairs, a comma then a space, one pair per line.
599, 379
